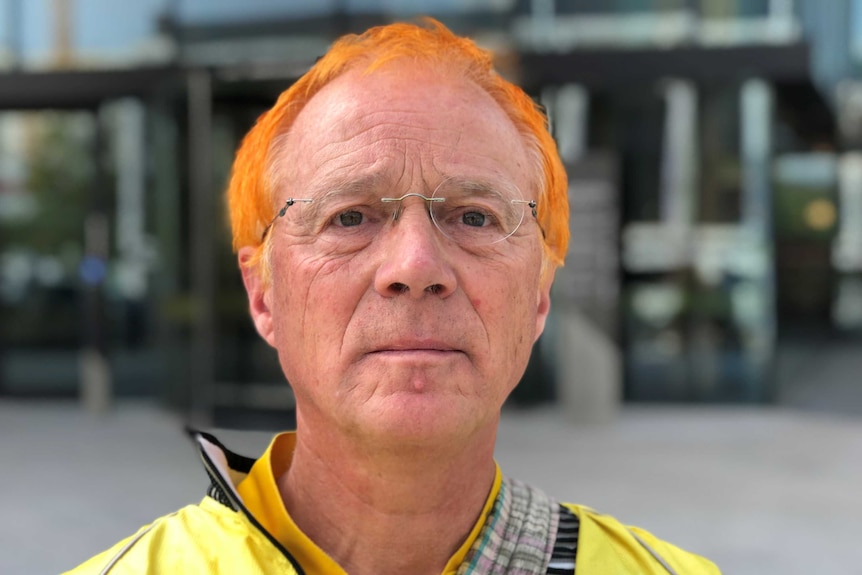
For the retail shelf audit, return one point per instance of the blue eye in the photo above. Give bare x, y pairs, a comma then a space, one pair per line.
350, 219
473, 219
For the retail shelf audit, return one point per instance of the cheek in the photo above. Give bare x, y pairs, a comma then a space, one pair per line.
520, 310
503, 290
316, 298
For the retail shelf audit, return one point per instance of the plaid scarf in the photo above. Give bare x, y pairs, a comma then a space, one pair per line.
518, 536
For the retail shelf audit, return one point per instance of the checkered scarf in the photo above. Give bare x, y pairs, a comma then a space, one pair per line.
518, 536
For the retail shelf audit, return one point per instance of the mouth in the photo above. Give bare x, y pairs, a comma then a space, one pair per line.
416, 348
415, 366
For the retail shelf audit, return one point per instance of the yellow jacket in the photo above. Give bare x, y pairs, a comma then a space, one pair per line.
218, 535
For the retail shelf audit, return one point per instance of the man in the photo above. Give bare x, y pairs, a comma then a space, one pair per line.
398, 217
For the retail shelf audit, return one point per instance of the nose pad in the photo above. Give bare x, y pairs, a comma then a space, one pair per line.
399, 203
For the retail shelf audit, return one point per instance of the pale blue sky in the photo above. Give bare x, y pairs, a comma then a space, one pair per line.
104, 25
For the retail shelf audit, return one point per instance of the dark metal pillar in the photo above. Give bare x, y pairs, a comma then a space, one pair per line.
96, 386
202, 208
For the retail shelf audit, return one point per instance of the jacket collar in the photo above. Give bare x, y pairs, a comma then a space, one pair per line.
222, 466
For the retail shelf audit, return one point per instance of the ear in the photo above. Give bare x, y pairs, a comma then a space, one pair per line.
258, 294
543, 300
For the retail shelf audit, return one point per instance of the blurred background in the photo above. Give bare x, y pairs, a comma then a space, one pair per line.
714, 150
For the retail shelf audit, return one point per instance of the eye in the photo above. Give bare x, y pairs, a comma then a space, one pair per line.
473, 219
350, 218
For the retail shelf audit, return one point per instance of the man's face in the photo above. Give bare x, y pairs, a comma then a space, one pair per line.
411, 338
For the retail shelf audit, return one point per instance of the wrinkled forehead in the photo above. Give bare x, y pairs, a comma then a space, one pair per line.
373, 187
422, 117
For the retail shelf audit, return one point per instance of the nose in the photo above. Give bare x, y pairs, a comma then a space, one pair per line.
414, 261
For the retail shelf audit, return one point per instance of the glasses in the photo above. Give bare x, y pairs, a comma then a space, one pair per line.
472, 214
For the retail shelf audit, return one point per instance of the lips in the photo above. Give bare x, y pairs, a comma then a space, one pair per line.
405, 351
415, 346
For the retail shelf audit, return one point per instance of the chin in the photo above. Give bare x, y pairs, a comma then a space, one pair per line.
419, 420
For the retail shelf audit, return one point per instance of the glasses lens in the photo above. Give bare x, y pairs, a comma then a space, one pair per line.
475, 214
349, 221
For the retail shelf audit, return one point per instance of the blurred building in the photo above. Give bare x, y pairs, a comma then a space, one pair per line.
716, 191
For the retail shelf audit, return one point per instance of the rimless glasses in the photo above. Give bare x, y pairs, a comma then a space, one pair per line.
472, 214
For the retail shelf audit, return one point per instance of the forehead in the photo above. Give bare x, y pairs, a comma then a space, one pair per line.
406, 123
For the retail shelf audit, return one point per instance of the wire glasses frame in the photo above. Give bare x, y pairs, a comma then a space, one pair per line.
464, 221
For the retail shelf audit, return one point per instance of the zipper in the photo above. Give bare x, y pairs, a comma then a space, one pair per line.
221, 484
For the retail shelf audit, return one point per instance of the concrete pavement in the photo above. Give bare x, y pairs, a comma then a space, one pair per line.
759, 491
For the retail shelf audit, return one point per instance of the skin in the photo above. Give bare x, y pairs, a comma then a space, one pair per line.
400, 354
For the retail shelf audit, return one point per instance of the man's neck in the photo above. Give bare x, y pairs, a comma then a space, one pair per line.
388, 514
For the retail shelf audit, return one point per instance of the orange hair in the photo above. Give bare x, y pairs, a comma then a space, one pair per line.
250, 197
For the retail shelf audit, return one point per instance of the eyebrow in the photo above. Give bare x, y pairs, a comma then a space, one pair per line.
370, 186
480, 187
336, 187
340, 187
